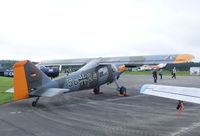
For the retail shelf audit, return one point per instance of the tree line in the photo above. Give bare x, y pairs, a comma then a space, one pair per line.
7, 64
183, 66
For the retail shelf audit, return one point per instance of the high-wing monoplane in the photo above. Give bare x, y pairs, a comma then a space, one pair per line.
29, 81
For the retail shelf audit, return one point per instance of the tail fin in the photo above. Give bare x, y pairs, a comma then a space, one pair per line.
27, 78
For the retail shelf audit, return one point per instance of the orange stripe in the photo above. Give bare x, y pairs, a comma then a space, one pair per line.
20, 82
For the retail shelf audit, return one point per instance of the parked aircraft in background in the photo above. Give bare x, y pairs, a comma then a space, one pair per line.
151, 67
6, 72
51, 72
29, 81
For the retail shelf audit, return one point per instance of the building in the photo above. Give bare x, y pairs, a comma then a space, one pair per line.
195, 71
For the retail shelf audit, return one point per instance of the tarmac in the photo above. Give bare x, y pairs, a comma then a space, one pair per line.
85, 114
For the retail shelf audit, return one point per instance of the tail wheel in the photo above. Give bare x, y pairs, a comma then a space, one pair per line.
34, 103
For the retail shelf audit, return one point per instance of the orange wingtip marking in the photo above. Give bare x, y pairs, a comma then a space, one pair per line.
183, 58
20, 82
122, 68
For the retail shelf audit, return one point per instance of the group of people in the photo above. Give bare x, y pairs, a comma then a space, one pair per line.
155, 76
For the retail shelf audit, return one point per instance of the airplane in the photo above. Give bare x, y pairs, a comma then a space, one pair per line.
6, 73
151, 67
29, 81
51, 72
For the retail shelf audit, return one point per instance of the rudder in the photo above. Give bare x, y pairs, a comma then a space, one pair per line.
27, 78
20, 82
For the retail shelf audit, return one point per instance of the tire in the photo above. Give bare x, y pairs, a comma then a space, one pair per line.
122, 90
34, 104
96, 90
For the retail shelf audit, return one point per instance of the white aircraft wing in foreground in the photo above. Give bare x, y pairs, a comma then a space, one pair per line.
187, 94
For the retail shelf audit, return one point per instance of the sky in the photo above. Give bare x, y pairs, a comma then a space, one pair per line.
64, 29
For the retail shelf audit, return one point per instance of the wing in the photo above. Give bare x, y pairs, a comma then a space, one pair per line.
178, 93
127, 60
49, 92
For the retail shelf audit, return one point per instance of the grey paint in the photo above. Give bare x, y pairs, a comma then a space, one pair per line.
151, 59
93, 74
90, 76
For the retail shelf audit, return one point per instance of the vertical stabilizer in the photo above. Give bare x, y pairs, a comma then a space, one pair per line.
20, 81
27, 78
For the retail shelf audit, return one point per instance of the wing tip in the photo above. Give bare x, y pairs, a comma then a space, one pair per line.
182, 58
143, 88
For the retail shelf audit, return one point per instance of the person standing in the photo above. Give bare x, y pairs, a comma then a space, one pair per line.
161, 73
154, 73
174, 73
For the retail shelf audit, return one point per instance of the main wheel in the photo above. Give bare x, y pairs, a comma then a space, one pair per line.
34, 103
122, 90
96, 90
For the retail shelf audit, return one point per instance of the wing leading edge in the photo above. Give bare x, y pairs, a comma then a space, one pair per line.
178, 93
151, 59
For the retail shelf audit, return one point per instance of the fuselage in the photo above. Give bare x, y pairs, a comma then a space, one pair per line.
88, 77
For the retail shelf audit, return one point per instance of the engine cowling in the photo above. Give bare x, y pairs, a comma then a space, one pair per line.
117, 70
121, 68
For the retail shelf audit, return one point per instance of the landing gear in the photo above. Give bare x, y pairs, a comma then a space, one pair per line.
97, 91
34, 103
121, 90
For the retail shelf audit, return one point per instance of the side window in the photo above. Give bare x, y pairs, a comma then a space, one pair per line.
103, 71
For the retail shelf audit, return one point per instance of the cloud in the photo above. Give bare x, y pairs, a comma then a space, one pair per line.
44, 29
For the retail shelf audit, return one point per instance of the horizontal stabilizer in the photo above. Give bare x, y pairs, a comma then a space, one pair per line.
178, 93
11, 90
49, 92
